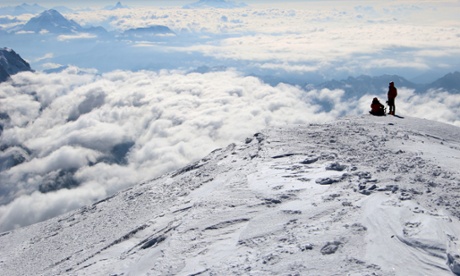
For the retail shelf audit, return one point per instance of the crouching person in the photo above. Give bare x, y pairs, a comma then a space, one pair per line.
377, 108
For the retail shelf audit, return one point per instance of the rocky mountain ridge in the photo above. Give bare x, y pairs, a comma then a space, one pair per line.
11, 63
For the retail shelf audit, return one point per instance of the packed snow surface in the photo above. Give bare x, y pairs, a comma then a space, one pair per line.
358, 196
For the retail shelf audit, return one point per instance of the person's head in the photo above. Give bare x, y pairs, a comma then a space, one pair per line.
375, 100
392, 84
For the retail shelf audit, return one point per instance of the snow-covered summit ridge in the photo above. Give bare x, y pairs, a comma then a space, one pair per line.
289, 200
52, 21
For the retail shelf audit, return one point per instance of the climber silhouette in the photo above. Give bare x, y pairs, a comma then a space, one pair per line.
392, 93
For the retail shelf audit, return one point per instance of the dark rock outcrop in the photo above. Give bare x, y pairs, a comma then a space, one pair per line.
11, 63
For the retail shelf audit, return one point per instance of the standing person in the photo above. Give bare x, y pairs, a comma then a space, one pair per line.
392, 93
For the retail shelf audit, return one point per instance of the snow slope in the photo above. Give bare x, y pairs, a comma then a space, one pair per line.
358, 196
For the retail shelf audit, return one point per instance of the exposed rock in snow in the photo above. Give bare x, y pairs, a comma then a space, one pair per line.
11, 63
259, 208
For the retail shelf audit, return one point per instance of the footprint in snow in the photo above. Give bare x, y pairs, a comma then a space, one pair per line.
330, 180
453, 257
330, 247
336, 167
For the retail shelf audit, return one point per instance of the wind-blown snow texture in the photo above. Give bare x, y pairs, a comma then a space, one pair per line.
359, 196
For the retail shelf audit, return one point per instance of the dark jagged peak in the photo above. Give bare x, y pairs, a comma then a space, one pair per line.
53, 22
11, 63
220, 4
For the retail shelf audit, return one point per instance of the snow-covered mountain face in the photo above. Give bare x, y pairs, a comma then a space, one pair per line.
359, 196
11, 63
53, 22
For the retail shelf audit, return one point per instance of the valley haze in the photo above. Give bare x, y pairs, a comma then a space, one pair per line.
108, 95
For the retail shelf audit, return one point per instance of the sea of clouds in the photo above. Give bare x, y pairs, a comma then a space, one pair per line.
72, 121
81, 135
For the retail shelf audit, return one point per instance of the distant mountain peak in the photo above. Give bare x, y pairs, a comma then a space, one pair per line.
220, 4
375, 85
52, 14
52, 21
21, 9
450, 82
364, 84
117, 6
149, 31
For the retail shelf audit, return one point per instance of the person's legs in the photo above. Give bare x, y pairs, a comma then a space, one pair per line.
391, 105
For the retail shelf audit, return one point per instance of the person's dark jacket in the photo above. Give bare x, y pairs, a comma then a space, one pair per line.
392, 91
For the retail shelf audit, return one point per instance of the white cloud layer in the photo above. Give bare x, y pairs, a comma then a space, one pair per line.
332, 38
76, 37
321, 35
72, 122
